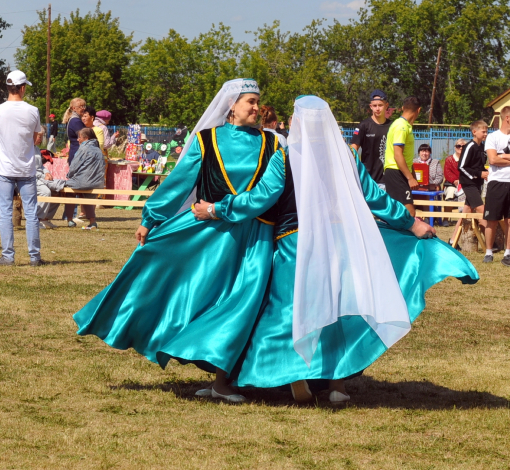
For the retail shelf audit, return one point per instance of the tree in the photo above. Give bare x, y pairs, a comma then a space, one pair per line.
3, 69
177, 79
288, 65
89, 58
394, 46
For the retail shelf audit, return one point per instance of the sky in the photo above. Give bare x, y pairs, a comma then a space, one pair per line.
154, 18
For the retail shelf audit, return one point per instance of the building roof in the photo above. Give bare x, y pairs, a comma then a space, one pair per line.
500, 97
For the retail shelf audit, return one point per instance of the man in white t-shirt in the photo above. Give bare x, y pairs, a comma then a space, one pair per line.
19, 125
497, 201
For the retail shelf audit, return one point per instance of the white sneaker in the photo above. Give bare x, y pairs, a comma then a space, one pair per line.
49, 224
79, 221
44, 224
336, 397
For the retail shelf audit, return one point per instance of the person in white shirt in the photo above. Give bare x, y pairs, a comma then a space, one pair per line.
19, 125
497, 201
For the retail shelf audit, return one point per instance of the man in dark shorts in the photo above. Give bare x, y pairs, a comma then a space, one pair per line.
371, 137
472, 171
497, 202
399, 176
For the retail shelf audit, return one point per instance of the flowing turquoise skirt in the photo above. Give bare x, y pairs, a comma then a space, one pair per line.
349, 345
192, 292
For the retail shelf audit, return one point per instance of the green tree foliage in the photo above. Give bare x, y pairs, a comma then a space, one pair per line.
178, 78
89, 58
3, 69
287, 66
394, 45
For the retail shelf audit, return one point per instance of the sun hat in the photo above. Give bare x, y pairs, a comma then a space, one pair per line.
103, 114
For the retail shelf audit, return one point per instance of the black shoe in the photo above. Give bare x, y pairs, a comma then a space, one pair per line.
506, 260
488, 259
5, 262
39, 262
458, 248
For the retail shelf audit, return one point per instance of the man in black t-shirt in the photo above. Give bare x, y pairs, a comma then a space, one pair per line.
371, 137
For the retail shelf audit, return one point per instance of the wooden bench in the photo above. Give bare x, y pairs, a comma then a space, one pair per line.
94, 202
454, 215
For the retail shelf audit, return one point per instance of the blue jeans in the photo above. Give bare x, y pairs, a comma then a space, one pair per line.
28, 191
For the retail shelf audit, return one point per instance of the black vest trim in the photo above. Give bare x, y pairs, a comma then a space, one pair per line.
286, 220
212, 187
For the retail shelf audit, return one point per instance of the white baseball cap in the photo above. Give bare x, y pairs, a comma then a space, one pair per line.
17, 77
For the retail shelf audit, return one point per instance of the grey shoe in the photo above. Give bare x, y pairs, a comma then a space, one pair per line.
71, 224
6, 262
39, 262
488, 259
506, 260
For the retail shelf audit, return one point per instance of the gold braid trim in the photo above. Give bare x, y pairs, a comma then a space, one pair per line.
265, 221
262, 148
201, 142
220, 161
285, 234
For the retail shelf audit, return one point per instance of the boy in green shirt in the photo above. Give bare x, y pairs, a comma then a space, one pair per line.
399, 175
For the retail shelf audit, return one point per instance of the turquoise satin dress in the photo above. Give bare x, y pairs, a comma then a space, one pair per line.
349, 345
184, 294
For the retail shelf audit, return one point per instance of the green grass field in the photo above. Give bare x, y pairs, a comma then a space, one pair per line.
439, 399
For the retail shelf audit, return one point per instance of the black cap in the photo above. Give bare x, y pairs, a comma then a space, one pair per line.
378, 95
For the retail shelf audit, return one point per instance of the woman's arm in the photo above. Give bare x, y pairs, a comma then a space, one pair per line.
250, 204
383, 206
100, 136
437, 174
175, 189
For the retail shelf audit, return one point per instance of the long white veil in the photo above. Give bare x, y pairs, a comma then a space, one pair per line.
216, 115
342, 265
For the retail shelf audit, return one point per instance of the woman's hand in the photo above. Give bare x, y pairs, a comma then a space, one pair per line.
422, 229
200, 210
141, 234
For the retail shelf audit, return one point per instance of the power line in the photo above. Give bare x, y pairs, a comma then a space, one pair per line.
12, 12
1, 50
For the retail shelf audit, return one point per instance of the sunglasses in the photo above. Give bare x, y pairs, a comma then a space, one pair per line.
458, 146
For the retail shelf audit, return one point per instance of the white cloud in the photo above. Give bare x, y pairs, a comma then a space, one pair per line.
356, 4
339, 7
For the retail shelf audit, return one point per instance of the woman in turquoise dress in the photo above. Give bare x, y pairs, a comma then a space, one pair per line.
182, 294
350, 344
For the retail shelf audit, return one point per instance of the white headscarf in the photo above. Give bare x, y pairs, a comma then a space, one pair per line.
216, 115
342, 266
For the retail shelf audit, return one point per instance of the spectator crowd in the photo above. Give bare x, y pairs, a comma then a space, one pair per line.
387, 150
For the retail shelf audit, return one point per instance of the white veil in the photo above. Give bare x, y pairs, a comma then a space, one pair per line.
216, 115
342, 265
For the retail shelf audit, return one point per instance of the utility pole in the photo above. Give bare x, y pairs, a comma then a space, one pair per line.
48, 67
434, 88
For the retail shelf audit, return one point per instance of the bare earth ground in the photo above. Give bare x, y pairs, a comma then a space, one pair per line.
438, 400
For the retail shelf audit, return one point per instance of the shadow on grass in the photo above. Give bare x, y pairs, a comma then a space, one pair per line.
365, 392
135, 216
89, 261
